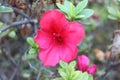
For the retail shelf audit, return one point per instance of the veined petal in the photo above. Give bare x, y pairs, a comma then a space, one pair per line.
52, 18
42, 39
76, 32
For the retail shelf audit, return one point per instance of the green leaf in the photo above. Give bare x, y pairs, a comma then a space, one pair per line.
112, 17
112, 11
71, 66
5, 9
63, 8
63, 64
72, 7
32, 54
58, 79
76, 74
118, 15
79, 17
32, 51
12, 34
81, 6
90, 77
63, 74
80, 77
31, 42
67, 5
87, 13
85, 76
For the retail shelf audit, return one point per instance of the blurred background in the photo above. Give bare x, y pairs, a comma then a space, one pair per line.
14, 62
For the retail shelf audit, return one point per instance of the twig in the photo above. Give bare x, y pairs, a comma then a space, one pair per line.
10, 58
17, 23
115, 64
110, 67
3, 76
39, 74
30, 65
20, 12
14, 24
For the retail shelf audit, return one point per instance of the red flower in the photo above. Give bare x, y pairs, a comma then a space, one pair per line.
58, 38
83, 65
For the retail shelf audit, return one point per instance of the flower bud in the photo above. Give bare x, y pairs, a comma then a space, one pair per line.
92, 69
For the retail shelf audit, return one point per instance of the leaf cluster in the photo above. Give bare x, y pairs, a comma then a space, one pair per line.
68, 72
114, 13
75, 12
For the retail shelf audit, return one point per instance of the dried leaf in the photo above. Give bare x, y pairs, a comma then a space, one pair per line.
25, 30
107, 55
100, 55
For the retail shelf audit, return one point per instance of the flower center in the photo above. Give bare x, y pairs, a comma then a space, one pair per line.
58, 37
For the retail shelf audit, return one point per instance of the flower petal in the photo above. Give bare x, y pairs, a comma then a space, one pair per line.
92, 69
68, 52
42, 39
52, 18
50, 56
83, 63
76, 32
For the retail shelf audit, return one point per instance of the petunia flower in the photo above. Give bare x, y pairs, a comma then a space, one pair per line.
58, 38
83, 65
